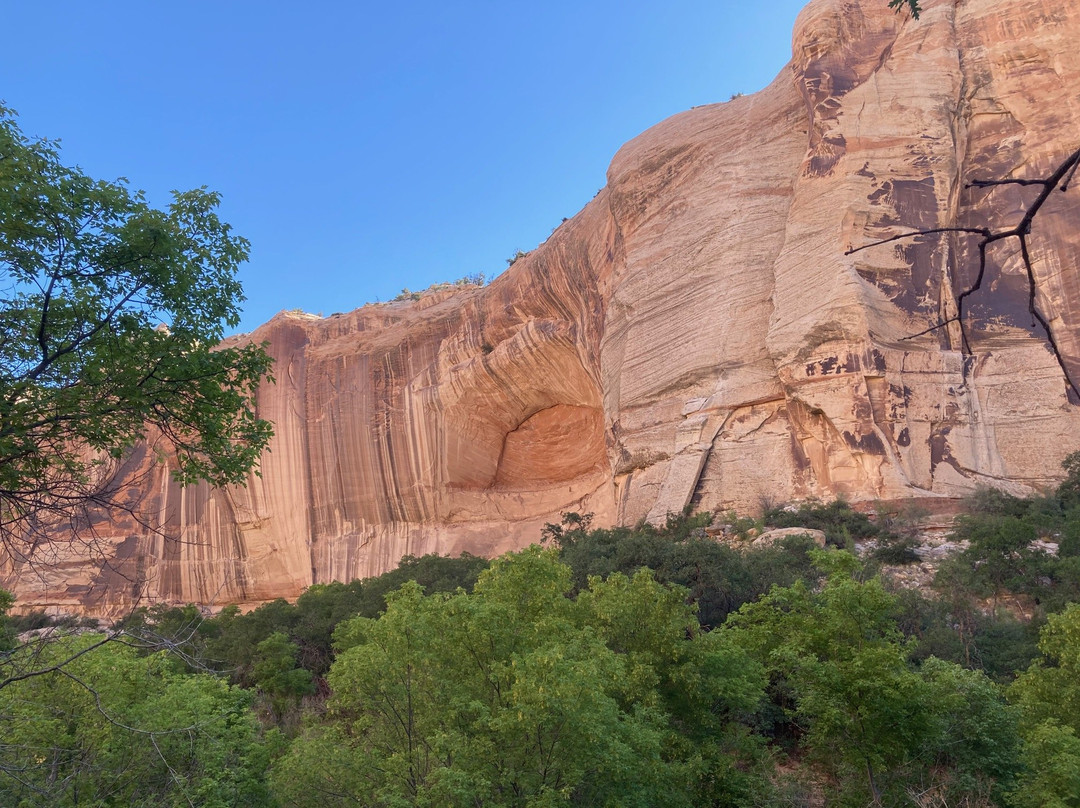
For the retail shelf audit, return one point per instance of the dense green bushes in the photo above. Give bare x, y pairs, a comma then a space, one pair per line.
114, 727
718, 577
841, 524
647, 665
847, 694
1002, 557
518, 694
229, 642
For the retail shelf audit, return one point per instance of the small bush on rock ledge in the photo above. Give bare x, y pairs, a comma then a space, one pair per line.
841, 523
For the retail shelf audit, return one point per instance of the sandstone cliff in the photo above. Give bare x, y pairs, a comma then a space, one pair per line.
695, 335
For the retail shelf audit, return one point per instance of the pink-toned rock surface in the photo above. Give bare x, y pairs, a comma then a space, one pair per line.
695, 335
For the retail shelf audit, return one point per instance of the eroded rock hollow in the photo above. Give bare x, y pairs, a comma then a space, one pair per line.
695, 335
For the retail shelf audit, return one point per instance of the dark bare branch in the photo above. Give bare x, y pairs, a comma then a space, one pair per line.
992, 183
934, 327
978, 231
1058, 179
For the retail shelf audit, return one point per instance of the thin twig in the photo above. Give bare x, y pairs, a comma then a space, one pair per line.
935, 327
979, 231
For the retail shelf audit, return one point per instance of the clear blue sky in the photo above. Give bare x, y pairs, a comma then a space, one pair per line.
365, 147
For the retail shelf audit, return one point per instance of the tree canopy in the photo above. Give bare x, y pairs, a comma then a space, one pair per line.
877, 725
114, 727
519, 695
111, 312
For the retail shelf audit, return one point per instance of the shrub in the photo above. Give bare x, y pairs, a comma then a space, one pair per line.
837, 519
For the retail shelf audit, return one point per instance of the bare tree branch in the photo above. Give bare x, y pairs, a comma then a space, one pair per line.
1059, 179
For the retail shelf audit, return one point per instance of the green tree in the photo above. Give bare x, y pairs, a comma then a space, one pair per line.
706, 686
999, 557
114, 728
872, 722
277, 675
1052, 768
719, 577
1048, 695
972, 747
1050, 688
840, 523
518, 695
841, 657
1068, 493
231, 638
111, 315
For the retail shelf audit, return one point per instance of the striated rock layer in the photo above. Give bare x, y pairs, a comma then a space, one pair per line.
695, 335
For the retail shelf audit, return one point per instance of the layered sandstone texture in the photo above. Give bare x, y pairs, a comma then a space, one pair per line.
696, 335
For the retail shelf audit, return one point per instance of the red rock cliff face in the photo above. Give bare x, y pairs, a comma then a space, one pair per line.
695, 335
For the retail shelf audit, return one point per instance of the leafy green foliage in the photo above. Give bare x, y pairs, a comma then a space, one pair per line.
911, 5
999, 554
1001, 558
1068, 493
7, 627
993, 597
898, 534
1050, 688
972, 735
519, 695
596, 683
1052, 758
110, 319
1048, 695
840, 671
840, 523
718, 577
114, 728
893, 533
276, 673
954, 628
229, 642
109, 322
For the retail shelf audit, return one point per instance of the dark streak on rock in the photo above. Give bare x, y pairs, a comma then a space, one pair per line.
869, 443
802, 461
940, 452
117, 575
906, 202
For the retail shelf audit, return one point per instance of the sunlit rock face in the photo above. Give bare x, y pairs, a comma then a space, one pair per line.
695, 335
